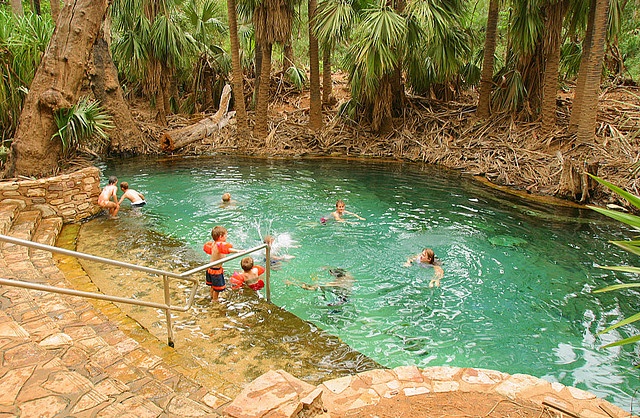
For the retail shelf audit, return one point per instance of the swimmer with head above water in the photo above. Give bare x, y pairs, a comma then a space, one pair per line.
427, 258
339, 214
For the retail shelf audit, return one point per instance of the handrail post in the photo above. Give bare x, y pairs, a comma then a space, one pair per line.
167, 311
267, 269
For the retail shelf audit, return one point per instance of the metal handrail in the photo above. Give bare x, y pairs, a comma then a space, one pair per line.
167, 307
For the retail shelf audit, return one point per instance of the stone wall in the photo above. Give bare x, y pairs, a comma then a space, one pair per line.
73, 197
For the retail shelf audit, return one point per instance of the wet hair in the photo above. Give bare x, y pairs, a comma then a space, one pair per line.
124, 185
429, 253
113, 180
246, 263
226, 197
217, 232
340, 201
268, 239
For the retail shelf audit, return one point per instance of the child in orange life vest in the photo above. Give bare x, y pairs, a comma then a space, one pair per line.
249, 276
218, 249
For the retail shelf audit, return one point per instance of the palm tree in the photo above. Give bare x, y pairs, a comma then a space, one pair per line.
238, 78
152, 43
583, 115
272, 21
486, 79
315, 105
554, 16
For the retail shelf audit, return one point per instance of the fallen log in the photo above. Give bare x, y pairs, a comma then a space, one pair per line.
179, 138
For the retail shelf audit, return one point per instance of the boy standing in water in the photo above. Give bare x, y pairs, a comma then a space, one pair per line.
427, 258
108, 198
218, 249
338, 215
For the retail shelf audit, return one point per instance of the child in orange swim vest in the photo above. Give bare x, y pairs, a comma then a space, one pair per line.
218, 249
249, 276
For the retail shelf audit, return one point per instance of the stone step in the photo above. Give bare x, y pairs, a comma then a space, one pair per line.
9, 209
25, 224
48, 230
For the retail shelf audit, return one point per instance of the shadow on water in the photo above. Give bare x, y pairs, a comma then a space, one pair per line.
240, 338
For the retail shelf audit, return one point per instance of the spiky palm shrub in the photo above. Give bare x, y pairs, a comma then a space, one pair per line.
630, 246
297, 77
23, 41
82, 127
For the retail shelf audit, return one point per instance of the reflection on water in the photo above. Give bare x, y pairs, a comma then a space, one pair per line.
516, 295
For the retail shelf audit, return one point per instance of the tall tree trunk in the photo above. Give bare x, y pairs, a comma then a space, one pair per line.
55, 10
242, 129
587, 121
486, 79
127, 138
315, 103
327, 81
262, 108
287, 57
578, 95
553, 27
35, 4
56, 85
16, 7
398, 98
257, 71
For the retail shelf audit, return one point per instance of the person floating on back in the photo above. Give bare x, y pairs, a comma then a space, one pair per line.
250, 275
340, 212
427, 258
108, 198
136, 198
218, 249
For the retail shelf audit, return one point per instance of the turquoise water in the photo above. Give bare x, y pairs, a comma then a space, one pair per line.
517, 291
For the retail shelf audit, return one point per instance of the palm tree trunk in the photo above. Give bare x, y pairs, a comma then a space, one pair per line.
287, 58
327, 82
554, 17
262, 108
587, 121
315, 105
257, 71
578, 94
486, 79
35, 4
242, 129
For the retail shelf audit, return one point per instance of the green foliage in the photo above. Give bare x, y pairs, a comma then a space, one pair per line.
629, 39
82, 126
23, 41
297, 77
630, 246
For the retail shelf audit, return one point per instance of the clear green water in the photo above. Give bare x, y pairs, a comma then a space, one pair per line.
517, 291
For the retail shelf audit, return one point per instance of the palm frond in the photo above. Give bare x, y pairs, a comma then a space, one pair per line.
84, 124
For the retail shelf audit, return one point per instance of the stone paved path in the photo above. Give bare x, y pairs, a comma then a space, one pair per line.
63, 357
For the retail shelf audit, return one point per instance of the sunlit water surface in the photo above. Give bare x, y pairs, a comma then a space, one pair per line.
517, 295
